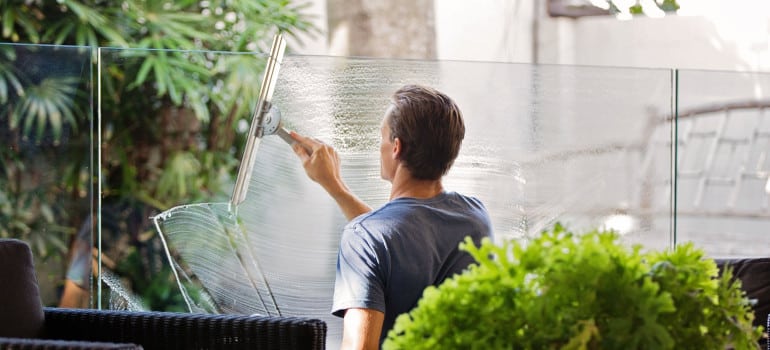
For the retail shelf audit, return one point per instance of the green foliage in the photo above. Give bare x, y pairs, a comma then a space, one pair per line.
637, 9
669, 5
48, 103
567, 291
22, 213
169, 109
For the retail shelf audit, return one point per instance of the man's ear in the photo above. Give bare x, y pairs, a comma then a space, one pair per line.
396, 148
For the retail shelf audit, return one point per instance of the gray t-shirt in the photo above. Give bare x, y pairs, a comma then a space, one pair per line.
389, 256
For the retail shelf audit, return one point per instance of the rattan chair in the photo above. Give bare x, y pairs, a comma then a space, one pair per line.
47, 344
102, 329
24, 324
167, 330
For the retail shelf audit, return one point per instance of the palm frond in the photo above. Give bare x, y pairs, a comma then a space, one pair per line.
47, 104
91, 22
16, 16
8, 81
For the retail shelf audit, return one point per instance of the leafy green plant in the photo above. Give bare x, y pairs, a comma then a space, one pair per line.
637, 9
567, 291
170, 102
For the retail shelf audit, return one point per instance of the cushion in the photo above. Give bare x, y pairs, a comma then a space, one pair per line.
21, 312
755, 281
18, 343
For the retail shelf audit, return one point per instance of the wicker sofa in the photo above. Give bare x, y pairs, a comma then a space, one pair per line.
100, 329
25, 324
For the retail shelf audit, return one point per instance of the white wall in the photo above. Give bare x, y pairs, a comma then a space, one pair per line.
716, 42
709, 34
490, 30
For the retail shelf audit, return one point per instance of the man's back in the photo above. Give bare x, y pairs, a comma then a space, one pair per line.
389, 256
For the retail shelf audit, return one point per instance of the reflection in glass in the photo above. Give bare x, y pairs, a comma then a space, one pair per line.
45, 164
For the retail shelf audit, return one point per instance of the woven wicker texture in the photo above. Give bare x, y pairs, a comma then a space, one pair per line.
47, 344
166, 330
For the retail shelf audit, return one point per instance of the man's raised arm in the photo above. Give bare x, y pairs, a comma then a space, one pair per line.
322, 165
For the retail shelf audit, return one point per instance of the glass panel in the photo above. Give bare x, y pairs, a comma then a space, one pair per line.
544, 143
172, 129
723, 178
46, 175
590, 147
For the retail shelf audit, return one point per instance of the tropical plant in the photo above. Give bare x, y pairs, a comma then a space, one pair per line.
567, 291
173, 91
38, 111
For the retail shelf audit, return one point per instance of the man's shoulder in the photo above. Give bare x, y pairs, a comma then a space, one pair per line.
386, 212
367, 230
375, 219
465, 197
405, 207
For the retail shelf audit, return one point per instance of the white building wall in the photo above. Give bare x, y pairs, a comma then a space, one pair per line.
721, 43
491, 30
710, 34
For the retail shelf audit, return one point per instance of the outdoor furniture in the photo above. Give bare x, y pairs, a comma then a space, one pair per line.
47, 344
25, 324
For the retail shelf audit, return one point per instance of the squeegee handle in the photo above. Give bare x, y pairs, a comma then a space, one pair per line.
284, 134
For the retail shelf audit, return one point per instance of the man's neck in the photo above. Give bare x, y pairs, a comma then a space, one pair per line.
404, 185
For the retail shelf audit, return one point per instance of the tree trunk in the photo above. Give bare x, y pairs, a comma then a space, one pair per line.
387, 29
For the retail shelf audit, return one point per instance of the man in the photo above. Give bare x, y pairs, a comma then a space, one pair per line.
388, 256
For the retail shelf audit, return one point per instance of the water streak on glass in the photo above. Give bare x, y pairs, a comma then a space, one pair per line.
580, 145
120, 297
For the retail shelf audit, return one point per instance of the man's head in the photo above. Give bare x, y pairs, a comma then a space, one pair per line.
429, 128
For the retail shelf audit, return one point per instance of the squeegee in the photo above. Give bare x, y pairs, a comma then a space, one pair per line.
266, 120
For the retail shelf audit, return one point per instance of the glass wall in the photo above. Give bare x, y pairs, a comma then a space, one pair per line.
46, 174
172, 127
723, 139
543, 144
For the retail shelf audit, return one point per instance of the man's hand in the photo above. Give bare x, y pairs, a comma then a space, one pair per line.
322, 165
321, 162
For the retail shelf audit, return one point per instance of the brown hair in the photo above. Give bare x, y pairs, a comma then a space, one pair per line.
430, 127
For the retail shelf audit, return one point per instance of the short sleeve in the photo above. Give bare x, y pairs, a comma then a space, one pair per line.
360, 277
